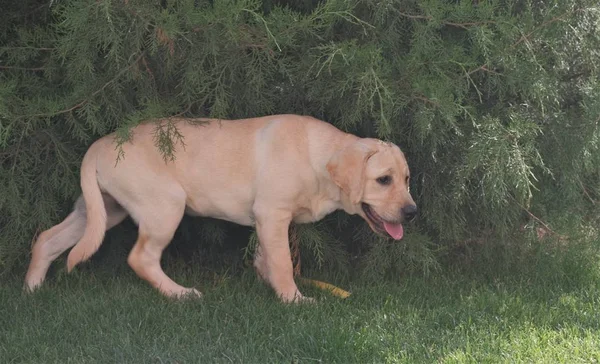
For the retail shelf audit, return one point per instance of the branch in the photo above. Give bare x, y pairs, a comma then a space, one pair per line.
148, 69
427, 100
525, 37
23, 68
587, 194
468, 24
539, 220
295, 250
410, 16
483, 68
452, 24
547, 22
182, 112
27, 47
85, 101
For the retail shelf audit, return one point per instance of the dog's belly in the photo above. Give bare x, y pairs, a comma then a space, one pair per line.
229, 207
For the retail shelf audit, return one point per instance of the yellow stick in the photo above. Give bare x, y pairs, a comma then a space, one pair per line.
336, 291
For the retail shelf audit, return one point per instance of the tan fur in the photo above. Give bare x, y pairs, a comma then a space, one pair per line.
96, 213
347, 169
265, 172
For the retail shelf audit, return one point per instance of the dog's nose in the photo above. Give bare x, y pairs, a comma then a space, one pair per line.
409, 212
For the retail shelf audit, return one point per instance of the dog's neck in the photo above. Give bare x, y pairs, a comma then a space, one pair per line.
346, 205
334, 193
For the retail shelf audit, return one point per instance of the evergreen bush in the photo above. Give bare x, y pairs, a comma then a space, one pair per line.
495, 103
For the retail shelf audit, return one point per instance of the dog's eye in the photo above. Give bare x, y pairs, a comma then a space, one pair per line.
384, 180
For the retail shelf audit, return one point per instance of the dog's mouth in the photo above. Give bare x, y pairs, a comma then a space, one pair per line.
379, 225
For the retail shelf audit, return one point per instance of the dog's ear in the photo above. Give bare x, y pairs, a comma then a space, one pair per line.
347, 169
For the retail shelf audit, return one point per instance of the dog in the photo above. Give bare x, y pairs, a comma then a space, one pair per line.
264, 172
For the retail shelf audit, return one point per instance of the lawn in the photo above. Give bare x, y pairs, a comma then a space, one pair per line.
548, 311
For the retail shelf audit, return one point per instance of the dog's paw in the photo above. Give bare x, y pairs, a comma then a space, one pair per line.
305, 299
184, 294
191, 293
297, 297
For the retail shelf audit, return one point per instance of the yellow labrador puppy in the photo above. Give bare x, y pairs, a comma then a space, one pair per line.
264, 172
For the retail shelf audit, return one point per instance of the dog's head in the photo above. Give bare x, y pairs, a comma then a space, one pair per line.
374, 176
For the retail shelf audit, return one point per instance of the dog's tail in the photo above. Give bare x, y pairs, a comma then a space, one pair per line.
96, 212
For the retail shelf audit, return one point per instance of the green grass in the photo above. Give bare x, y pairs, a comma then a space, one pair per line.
548, 311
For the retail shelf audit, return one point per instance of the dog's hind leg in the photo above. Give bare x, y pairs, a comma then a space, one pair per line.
157, 223
53, 242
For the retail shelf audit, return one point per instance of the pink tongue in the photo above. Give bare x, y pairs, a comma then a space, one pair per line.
396, 231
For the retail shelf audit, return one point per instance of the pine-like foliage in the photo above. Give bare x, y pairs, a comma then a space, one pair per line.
495, 103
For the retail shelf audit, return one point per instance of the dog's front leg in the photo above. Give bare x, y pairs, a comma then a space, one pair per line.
273, 260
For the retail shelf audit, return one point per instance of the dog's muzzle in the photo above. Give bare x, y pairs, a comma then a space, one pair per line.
409, 212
